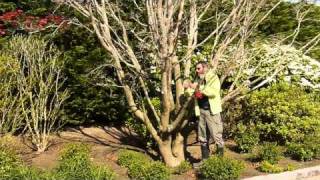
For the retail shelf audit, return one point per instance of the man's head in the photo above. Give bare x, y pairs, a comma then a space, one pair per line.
201, 68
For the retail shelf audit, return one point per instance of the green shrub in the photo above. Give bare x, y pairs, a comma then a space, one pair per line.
182, 168
149, 171
140, 129
299, 152
127, 157
9, 163
221, 168
87, 103
141, 167
274, 168
75, 164
12, 167
269, 152
233, 112
270, 168
306, 149
247, 137
30, 173
102, 173
283, 112
157, 170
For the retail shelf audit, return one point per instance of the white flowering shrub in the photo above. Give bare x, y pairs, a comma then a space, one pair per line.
263, 62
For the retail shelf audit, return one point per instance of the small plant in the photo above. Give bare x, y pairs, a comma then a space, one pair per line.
102, 173
9, 163
247, 137
290, 167
269, 152
306, 150
75, 164
299, 152
141, 167
221, 168
149, 171
127, 157
270, 168
12, 167
182, 168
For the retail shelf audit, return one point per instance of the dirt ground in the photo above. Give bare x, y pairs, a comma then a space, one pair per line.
105, 143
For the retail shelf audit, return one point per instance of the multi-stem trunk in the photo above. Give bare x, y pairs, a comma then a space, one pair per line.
172, 150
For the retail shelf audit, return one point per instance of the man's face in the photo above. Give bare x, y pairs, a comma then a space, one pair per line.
200, 69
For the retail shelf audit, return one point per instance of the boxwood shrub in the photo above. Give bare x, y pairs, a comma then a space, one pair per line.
221, 168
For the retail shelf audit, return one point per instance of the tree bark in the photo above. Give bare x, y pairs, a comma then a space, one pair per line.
172, 152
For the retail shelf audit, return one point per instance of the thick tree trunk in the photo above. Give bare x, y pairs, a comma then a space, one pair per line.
178, 147
172, 152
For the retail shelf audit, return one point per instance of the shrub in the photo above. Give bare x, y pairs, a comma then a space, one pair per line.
127, 157
233, 112
10, 109
299, 152
12, 167
9, 163
25, 172
141, 167
102, 173
283, 112
270, 168
306, 149
141, 130
149, 171
157, 170
87, 103
182, 168
38, 89
269, 152
247, 137
75, 164
221, 168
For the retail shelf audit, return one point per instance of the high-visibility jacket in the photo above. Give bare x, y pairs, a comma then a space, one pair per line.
210, 88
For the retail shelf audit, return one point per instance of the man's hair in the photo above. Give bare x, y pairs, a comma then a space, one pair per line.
203, 63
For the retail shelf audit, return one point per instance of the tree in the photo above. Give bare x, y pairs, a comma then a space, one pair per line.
157, 40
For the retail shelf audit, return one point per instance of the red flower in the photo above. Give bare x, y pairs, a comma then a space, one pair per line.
57, 19
2, 32
19, 11
43, 22
8, 16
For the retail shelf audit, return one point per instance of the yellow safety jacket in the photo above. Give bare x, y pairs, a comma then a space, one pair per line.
211, 89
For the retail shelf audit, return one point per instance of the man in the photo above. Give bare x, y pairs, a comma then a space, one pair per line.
206, 91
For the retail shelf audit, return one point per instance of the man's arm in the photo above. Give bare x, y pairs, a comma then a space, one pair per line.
212, 86
189, 87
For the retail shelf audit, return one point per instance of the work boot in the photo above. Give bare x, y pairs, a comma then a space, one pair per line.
204, 155
205, 151
220, 151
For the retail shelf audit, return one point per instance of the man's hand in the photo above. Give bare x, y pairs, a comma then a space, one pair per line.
186, 83
189, 84
198, 95
193, 85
